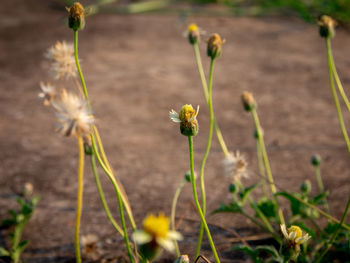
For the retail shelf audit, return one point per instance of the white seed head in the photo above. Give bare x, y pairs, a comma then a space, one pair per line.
236, 166
73, 114
63, 61
48, 93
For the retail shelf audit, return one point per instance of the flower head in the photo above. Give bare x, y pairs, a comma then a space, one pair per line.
73, 114
193, 34
76, 19
327, 26
248, 101
215, 46
155, 234
63, 61
48, 93
187, 119
294, 235
235, 166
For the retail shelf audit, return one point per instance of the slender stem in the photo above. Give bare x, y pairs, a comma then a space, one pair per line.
114, 183
120, 186
261, 215
320, 185
335, 96
206, 94
342, 126
79, 198
336, 76
206, 154
195, 196
103, 199
266, 161
126, 238
261, 168
78, 67
173, 211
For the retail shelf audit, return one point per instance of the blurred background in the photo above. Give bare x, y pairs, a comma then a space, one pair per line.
138, 66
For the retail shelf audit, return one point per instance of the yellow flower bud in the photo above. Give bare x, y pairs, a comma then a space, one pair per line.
327, 26
193, 33
248, 101
76, 19
214, 46
189, 123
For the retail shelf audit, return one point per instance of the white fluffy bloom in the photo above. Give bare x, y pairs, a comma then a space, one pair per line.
235, 166
48, 93
63, 61
73, 114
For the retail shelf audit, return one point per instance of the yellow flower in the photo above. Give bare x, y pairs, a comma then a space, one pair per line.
156, 230
294, 235
187, 119
76, 19
193, 33
215, 46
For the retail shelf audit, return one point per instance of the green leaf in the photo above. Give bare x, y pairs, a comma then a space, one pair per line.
8, 222
271, 250
268, 207
4, 252
230, 208
320, 199
251, 253
22, 245
246, 192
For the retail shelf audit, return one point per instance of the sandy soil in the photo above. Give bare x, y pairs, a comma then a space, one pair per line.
137, 68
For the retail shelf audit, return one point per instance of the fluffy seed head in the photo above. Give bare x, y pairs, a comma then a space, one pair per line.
236, 167
48, 93
73, 114
63, 62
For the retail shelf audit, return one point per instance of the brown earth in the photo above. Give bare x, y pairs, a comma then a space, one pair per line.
137, 68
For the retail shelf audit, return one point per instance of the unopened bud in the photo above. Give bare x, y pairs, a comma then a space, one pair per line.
28, 189
316, 160
306, 186
248, 101
327, 26
232, 188
188, 176
215, 46
193, 34
76, 19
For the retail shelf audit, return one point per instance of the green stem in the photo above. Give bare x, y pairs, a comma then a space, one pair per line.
206, 154
335, 96
124, 199
206, 94
78, 67
266, 161
120, 186
335, 73
103, 199
173, 211
320, 185
261, 168
115, 185
342, 126
79, 198
195, 196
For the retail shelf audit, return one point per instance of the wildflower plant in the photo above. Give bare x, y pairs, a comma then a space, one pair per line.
303, 241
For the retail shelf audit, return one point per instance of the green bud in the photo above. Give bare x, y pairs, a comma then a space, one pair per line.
306, 187
88, 149
316, 160
248, 101
76, 19
188, 176
232, 188
215, 46
327, 26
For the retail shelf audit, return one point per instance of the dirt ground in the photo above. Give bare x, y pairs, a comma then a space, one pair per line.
137, 68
